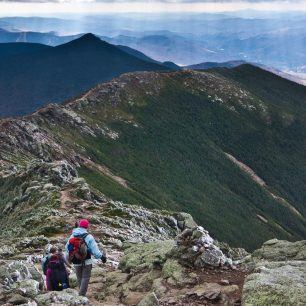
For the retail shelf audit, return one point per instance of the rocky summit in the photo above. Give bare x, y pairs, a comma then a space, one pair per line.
166, 168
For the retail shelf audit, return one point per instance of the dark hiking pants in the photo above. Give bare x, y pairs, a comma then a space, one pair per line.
83, 274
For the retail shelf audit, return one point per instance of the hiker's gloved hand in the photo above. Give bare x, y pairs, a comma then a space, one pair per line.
103, 259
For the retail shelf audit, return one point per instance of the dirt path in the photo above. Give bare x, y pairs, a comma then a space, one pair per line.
104, 170
263, 184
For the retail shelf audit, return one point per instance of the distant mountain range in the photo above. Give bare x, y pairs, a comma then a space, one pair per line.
233, 64
273, 40
33, 75
46, 38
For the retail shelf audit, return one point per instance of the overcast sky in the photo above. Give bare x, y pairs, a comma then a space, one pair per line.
40, 7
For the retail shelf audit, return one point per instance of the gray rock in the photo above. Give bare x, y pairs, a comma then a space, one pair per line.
210, 257
67, 297
29, 287
145, 256
224, 282
213, 295
73, 280
276, 283
185, 220
18, 299
196, 247
279, 250
149, 300
11, 272
7, 251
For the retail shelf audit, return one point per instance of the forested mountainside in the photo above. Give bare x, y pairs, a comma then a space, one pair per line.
225, 145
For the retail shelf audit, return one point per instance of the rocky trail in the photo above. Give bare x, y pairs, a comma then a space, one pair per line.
191, 269
154, 273
155, 257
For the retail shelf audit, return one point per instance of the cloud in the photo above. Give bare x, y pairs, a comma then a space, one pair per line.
155, 1
81, 7
51, 1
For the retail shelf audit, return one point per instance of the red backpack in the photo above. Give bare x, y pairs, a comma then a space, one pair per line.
78, 249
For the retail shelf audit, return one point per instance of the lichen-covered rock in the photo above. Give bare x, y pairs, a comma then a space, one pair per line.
7, 251
69, 297
278, 274
17, 299
159, 287
177, 275
29, 287
73, 280
185, 220
276, 283
32, 242
18, 271
149, 300
172, 269
279, 250
146, 256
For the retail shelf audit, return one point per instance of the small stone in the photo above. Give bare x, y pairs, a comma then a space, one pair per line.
213, 295
224, 282
17, 299
133, 298
149, 300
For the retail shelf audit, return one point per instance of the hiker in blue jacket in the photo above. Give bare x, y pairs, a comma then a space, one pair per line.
83, 266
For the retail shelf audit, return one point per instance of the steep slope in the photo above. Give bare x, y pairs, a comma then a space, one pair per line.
28, 81
142, 56
225, 145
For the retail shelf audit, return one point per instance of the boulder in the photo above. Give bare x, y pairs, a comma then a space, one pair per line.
149, 300
18, 271
195, 247
280, 250
7, 251
17, 299
68, 297
185, 220
276, 283
145, 256
210, 257
28, 287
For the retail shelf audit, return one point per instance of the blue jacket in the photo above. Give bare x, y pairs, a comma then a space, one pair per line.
90, 241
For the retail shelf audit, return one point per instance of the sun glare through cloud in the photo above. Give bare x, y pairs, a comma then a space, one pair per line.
8, 8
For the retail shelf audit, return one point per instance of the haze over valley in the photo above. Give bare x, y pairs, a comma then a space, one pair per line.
174, 136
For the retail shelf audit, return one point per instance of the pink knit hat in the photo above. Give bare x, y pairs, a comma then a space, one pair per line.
84, 223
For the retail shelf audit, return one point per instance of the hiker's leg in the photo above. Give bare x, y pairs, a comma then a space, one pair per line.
85, 279
79, 274
48, 280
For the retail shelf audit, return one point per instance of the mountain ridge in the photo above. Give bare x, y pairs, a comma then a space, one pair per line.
166, 135
58, 73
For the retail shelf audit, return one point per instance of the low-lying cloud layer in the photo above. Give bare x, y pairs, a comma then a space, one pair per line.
157, 1
53, 7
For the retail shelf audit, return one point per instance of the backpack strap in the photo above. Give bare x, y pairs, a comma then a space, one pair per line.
84, 238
